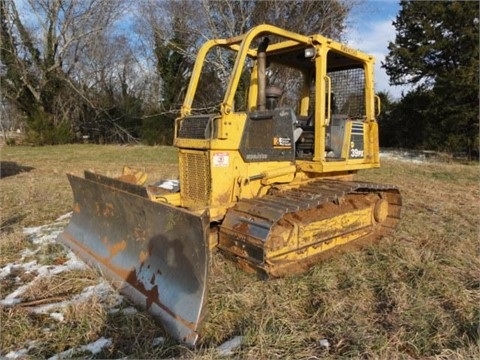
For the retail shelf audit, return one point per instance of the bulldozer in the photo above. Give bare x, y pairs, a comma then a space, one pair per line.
266, 177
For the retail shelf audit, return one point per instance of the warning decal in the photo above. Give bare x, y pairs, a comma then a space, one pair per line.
220, 159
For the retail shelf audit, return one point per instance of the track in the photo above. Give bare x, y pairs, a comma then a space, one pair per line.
288, 231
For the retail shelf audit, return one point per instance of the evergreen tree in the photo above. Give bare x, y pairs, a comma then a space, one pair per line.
171, 66
437, 50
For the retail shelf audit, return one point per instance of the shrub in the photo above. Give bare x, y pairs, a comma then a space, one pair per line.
42, 130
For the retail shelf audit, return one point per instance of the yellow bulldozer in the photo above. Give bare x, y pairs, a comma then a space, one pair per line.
266, 177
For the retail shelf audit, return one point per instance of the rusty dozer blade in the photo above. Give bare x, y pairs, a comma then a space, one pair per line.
155, 254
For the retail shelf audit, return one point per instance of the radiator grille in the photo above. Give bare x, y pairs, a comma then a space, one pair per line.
195, 184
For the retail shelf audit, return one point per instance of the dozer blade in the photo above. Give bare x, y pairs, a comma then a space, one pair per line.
155, 254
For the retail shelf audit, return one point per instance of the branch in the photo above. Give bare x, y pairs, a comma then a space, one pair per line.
104, 112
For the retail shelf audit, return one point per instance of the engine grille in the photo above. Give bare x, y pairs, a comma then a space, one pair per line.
195, 184
194, 127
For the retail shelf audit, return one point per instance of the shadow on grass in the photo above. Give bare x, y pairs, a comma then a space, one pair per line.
8, 225
11, 168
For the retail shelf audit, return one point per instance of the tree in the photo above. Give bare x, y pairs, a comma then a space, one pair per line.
41, 60
111, 91
436, 49
169, 41
176, 29
308, 17
388, 125
75, 67
230, 18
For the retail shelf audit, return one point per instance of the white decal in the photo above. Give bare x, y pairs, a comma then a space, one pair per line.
355, 153
280, 141
221, 160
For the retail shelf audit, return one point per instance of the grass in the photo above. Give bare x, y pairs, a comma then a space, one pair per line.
415, 294
38, 190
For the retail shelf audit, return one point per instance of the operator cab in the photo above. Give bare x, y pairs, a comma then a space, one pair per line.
343, 102
323, 89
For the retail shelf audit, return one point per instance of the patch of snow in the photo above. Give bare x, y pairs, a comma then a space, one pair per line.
158, 341
49, 238
6, 270
21, 353
47, 234
17, 354
42, 271
129, 311
418, 156
40, 236
103, 291
404, 156
171, 185
97, 346
47, 308
58, 316
28, 252
228, 347
324, 343
64, 217
11, 269
32, 230
94, 348
30, 267
14, 297
71, 264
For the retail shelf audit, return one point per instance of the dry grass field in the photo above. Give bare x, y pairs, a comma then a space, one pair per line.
415, 294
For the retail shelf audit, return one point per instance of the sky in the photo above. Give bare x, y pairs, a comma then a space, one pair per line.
370, 30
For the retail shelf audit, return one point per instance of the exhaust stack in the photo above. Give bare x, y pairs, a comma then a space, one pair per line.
262, 78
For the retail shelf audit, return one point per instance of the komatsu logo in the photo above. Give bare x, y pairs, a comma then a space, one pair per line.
256, 156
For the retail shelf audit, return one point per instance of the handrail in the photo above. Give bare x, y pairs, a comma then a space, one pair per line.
266, 29
329, 95
241, 44
379, 105
195, 77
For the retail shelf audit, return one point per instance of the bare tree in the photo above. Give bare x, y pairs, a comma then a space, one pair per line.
183, 25
41, 49
111, 69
